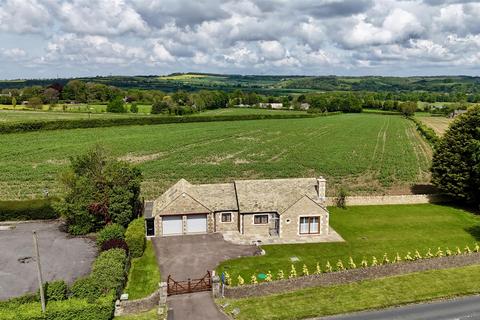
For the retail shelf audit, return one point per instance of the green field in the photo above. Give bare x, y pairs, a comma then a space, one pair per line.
245, 111
372, 294
370, 231
366, 153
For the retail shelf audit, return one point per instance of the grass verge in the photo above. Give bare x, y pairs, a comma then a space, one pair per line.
149, 315
359, 296
144, 275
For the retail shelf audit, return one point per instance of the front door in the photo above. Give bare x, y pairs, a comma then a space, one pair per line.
150, 227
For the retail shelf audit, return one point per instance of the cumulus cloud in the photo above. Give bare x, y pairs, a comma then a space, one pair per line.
245, 36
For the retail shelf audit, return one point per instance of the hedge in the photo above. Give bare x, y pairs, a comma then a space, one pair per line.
71, 309
135, 237
27, 210
427, 132
110, 232
152, 120
110, 270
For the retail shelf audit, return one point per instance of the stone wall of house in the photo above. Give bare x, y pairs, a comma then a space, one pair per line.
249, 228
157, 299
226, 226
389, 199
290, 219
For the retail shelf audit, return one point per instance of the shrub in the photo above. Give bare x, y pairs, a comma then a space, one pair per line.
293, 272
351, 263
227, 278
374, 261
280, 275
340, 266
27, 210
253, 279
85, 288
109, 232
385, 259
134, 108
135, 237
240, 280
305, 270
476, 248
115, 244
328, 267
116, 106
342, 198
318, 270
269, 276
109, 270
55, 290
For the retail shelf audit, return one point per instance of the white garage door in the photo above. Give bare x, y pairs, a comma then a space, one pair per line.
197, 223
172, 225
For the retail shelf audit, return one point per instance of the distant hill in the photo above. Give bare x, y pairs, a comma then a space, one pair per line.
273, 84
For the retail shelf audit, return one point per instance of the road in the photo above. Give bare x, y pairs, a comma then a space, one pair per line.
466, 308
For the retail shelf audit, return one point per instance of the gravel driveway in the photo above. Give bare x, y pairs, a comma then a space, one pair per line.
61, 256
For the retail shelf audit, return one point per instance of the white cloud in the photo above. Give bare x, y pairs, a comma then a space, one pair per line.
23, 16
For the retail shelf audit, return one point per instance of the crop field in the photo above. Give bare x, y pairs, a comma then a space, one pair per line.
245, 111
365, 153
438, 124
81, 107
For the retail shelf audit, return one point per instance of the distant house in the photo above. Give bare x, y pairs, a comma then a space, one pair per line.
271, 105
304, 106
456, 113
9, 94
286, 209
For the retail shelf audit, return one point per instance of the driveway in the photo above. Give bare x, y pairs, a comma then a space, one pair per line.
191, 256
61, 256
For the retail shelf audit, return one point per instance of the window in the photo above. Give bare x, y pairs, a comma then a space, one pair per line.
309, 225
260, 219
226, 217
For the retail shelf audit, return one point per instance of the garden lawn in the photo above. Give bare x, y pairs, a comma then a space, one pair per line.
369, 231
144, 275
372, 294
365, 153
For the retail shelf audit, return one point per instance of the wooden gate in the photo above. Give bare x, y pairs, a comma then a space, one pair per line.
189, 286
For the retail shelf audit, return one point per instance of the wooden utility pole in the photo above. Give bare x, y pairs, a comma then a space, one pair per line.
39, 269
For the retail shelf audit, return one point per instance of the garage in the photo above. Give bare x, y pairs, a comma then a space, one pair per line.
197, 223
172, 225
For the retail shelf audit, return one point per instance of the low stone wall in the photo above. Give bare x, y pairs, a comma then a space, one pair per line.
348, 276
389, 200
158, 299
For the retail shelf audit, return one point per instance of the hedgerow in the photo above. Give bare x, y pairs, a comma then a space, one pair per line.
109, 232
40, 209
95, 123
427, 132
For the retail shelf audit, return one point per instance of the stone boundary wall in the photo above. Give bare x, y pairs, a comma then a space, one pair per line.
389, 200
157, 299
349, 276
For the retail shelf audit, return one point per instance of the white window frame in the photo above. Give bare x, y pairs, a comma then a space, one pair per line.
309, 224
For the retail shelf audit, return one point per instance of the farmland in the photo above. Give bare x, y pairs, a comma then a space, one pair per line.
367, 153
438, 124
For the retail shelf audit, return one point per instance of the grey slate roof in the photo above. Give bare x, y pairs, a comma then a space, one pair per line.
268, 195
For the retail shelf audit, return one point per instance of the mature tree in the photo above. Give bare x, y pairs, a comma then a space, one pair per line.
99, 190
408, 108
159, 107
35, 103
75, 90
51, 95
456, 161
116, 106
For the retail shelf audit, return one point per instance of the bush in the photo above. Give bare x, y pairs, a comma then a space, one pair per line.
27, 210
55, 290
116, 106
109, 270
134, 108
135, 237
85, 288
159, 107
115, 244
110, 232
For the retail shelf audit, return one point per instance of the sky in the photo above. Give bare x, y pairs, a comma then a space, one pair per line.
72, 38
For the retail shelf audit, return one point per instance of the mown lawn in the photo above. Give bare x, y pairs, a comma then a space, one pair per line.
144, 275
358, 296
369, 231
367, 153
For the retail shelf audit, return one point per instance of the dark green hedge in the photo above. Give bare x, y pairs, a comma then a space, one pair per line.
71, 309
94, 123
27, 210
135, 237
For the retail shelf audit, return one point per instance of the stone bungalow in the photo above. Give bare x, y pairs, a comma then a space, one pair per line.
285, 209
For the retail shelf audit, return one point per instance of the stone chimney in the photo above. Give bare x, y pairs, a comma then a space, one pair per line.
321, 187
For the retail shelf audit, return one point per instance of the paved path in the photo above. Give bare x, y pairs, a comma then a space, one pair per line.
466, 308
185, 257
62, 256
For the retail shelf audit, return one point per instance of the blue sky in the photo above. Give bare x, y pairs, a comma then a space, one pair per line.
50, 38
